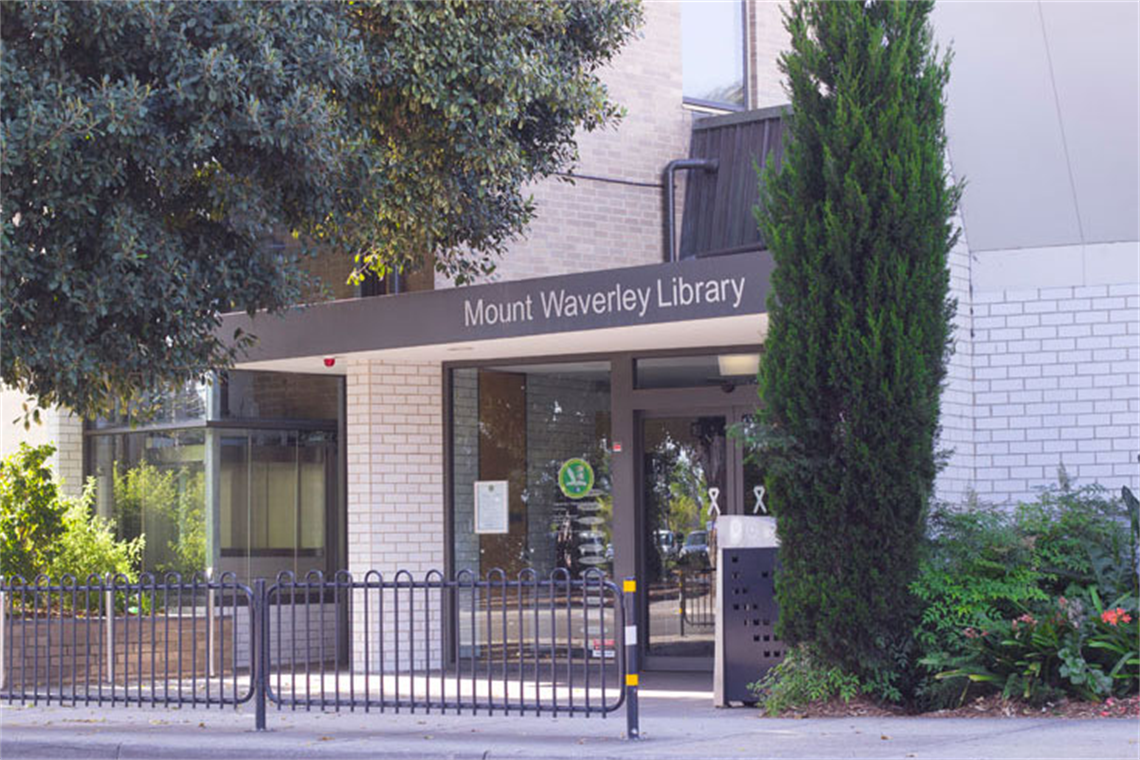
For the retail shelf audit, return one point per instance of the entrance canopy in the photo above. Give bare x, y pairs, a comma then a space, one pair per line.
686, 304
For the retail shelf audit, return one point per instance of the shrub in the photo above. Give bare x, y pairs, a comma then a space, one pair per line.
1079, 536
802, 679
88, 544
31, 511
858, 219
1012, 599
43, 532
977, 568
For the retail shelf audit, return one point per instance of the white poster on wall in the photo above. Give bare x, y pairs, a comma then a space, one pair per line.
492, 513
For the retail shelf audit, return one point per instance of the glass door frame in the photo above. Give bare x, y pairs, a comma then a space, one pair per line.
732, 503
627, 405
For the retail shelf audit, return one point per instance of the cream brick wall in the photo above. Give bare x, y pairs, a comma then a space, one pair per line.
394, 456
591, 224
769, 39
66, 431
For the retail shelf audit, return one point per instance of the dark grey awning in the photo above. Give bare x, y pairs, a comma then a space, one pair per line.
685, 291
718, 217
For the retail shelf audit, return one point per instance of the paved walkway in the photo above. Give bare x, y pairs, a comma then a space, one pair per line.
676, 723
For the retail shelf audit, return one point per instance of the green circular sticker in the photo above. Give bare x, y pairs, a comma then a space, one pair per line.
576, 478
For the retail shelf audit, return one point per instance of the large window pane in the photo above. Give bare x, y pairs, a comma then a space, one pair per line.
267, 486
522, 425
712, 51
275, 494
153, 484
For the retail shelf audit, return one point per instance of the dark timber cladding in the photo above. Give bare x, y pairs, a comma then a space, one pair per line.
718, 217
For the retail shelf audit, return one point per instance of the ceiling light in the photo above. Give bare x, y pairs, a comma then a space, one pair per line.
738, 365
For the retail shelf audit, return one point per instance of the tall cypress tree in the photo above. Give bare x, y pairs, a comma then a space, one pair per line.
858, 220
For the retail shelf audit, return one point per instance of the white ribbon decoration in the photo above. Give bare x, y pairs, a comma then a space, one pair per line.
758, 492
714, 494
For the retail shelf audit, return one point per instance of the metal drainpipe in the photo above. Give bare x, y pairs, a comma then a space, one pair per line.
705, 164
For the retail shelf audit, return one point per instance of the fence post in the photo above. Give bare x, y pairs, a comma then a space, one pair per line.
109, 612
629, 599
259, 618
3, 626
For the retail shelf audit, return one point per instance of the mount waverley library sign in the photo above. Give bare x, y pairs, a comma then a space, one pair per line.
684, 291
560, 303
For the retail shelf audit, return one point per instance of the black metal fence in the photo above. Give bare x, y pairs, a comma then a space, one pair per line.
528, 645
698, 599
111, 641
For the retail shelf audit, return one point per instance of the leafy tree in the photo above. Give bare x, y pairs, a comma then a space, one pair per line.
150, 152
31, 511
858, 220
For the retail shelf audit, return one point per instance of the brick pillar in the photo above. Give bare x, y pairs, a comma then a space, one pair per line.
395, 494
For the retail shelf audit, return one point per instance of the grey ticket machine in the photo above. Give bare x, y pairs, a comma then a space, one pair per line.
746, 644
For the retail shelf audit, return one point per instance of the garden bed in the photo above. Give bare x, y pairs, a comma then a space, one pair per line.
992, 706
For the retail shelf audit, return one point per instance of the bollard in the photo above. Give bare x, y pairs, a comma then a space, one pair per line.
259, 617
629, 599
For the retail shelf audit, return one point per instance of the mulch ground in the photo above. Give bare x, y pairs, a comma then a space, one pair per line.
982, 707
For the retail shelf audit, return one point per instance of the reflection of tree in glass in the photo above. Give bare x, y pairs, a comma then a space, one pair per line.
175, 495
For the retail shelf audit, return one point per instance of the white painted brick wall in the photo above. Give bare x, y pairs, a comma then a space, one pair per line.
957, 436
394, 456
1056, 383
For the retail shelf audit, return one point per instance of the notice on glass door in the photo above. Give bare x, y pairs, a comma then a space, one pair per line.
492, 513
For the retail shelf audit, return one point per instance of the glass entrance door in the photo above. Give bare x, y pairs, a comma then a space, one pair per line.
685, 484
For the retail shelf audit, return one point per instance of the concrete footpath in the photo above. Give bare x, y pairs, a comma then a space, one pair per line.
674, 725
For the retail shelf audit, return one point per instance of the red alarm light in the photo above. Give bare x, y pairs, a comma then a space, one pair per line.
330, 361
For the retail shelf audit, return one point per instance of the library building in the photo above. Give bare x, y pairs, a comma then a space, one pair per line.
575, 409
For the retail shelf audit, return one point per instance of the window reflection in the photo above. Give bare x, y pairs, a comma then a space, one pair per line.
153, 485
712, 51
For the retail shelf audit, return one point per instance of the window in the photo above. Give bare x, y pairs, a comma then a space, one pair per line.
538, 428
240, 475
712, 53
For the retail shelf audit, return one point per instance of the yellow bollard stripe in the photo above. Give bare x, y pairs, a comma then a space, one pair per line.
631, 679
629, 586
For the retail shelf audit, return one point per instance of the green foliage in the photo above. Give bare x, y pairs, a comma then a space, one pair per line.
978, 568
88, 544
802, 679
1081, 536
1021, 657
858, 221
31, 512
44, 532
1114, 640
150, 152
1007, 597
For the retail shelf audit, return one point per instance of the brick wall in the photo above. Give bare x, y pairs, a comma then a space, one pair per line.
592, 224
394, 456
1057, 382
956, 439
769, 39
57, 426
